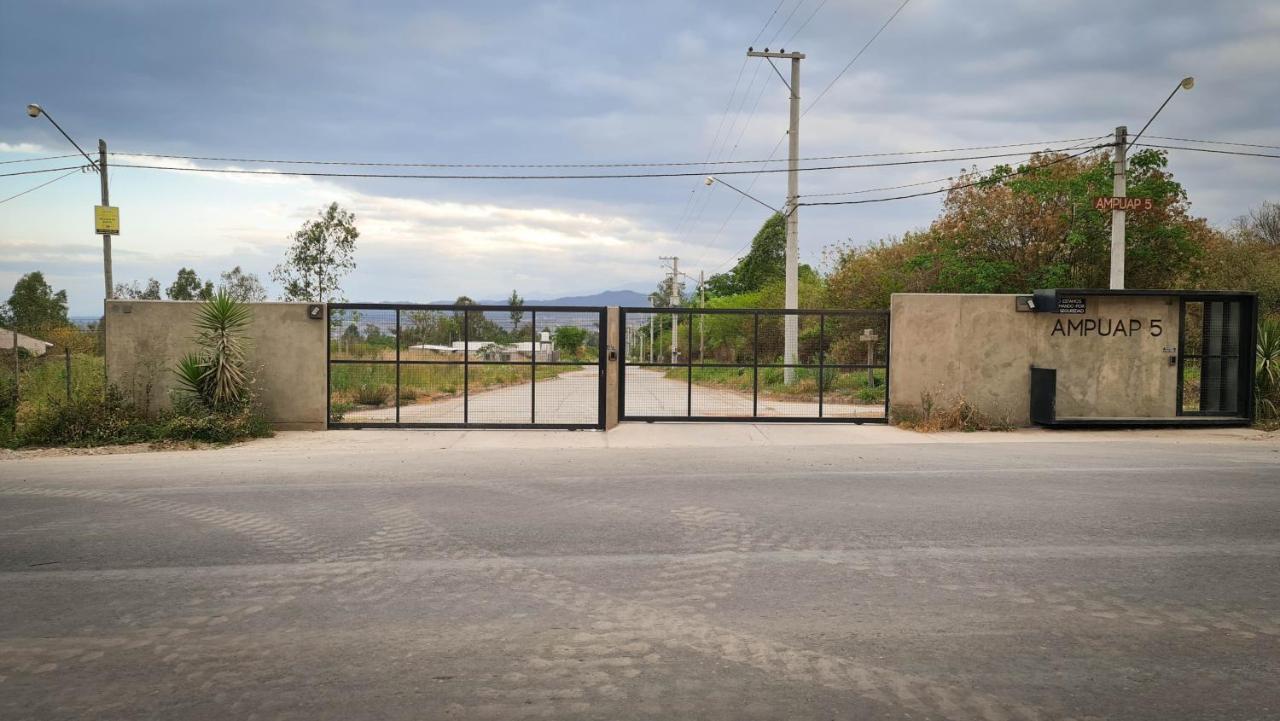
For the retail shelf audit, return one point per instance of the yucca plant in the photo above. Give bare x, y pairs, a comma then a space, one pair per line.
215, 373
1267, 378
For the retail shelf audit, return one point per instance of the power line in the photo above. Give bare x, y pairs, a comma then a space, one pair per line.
1215, 142
34, 160
805, 24
1209, 150
48, 182
78, 167
652, 164
1020, 171
917, 184
855, 57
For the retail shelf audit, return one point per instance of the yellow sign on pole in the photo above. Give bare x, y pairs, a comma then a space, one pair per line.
106, 219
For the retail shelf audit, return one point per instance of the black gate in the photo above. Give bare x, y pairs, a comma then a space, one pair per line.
1216, 355
465, 366
691, 364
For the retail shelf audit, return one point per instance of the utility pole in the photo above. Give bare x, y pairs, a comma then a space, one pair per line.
1119, 189
791, 323
674, 293
653, 320
106, 201
702, 319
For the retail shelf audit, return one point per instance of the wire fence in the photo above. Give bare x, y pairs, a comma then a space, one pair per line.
47, 364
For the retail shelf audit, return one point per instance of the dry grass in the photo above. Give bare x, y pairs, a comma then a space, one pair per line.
956, 415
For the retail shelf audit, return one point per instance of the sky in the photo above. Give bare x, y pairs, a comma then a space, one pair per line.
576, 82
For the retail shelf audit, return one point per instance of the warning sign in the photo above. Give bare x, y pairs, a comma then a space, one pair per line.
106, 220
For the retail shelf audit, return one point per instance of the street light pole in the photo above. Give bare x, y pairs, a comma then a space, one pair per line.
100, 166
1119, 186
791, 322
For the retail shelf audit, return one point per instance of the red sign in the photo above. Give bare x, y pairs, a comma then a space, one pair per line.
1123, 204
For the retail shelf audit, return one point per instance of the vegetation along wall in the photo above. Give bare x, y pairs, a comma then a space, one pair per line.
146, 338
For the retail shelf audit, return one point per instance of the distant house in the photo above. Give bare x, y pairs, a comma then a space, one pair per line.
492, 350
34, 346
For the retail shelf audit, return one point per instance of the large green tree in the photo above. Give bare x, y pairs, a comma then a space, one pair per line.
188, 286
323, 251
34, 305
1012, 230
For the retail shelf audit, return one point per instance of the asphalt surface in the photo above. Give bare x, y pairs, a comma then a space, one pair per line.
394, 576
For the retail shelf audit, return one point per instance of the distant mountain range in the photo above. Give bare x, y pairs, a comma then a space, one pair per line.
607, 297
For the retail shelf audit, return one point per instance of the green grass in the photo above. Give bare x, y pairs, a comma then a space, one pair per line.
848, 386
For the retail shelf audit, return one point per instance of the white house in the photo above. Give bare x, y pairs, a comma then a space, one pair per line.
35, 346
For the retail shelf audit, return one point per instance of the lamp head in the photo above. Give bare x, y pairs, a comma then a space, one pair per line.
34, 110
1188, 83
710, 179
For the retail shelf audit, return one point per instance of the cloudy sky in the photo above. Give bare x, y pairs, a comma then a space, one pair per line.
566, 82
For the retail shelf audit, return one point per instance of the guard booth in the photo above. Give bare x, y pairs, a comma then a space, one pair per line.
1081, 357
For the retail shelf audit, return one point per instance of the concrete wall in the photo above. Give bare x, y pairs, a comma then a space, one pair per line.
980, 348
145, 339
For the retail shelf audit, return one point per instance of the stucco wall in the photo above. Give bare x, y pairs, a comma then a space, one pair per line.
145, 338
980, 348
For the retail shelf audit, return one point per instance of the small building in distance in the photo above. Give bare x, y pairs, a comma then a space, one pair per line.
34, 346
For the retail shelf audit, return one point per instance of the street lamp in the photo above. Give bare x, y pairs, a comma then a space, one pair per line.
35, 111
711, 179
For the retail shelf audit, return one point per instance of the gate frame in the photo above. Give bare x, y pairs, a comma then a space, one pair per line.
755, 365
601, 366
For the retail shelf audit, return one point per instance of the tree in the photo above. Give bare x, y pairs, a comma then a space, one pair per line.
241, 286
33, 304
517, 310
1008, 231
189, 287
568, 339
322, 252
133, 291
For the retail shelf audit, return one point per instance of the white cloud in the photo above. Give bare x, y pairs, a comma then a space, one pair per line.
21, 148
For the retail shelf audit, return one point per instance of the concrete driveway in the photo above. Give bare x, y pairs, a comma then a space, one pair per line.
684, 571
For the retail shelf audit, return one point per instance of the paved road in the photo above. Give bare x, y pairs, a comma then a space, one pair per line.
573, 398
411, 575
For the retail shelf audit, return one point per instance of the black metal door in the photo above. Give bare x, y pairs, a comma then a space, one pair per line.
691, 364
1215, 356
465, 366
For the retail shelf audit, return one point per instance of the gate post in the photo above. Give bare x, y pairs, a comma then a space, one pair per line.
612, 361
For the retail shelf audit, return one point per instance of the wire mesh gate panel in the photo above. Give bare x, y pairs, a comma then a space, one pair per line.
682, 364
465, 366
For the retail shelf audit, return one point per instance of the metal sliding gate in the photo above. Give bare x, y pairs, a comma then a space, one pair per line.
690, 364
465, 366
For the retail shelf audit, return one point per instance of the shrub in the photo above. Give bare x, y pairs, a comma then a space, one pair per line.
1267, 378
215, 374
338, 410
194, 422
369, 394
959, 415
85, 421
408, 394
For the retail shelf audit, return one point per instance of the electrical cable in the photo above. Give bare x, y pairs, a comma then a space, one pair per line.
33, 160
1020, 171
48, 182
674, 164
855, 58
1209, 150
42, 170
